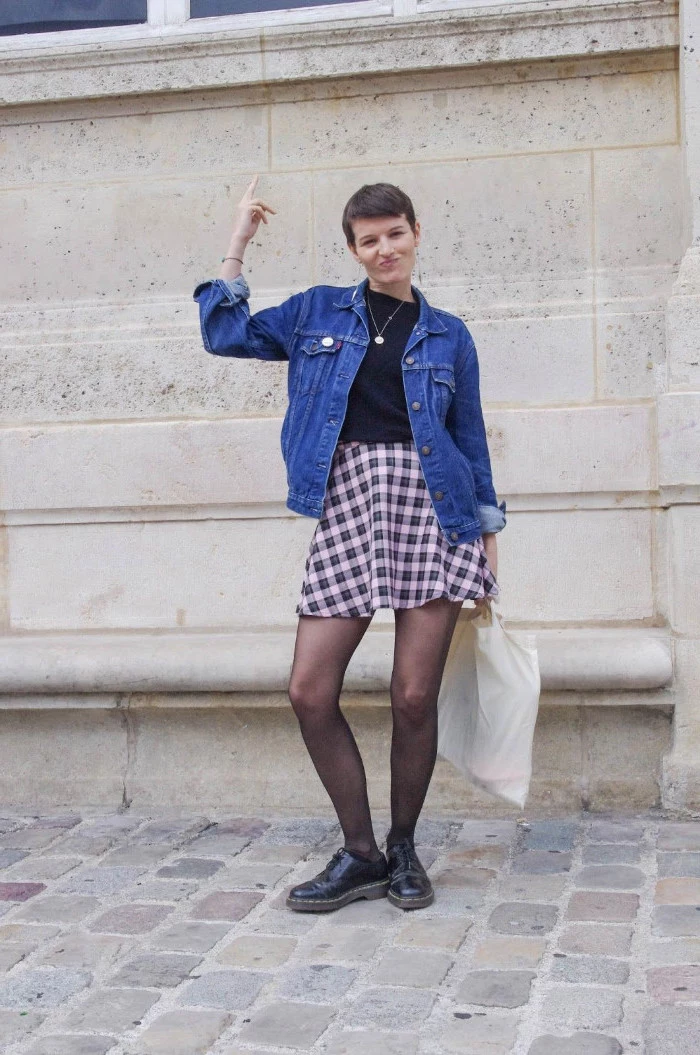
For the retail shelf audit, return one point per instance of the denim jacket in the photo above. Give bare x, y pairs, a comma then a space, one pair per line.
324, 334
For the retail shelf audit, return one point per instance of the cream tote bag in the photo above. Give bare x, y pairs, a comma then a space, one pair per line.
487, 707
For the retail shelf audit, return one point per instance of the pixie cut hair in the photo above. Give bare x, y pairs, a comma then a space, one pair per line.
376, 200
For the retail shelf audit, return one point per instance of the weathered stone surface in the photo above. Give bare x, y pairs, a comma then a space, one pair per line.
496, 988
479, 856
254, 876
164, 890
679, 864
463, 876
432, 933
12, 954
368, 1042
511, 952
20, 891
257, 950
682, 836
190, 936
155, 970
42, 869
587, 969
112, 1010
577, 1044
72, 1044
412, 967
389, 1008
84, 951
226, 905
487, 1035
213, 845
291, 1025
307, 831
101, 881
33, 838
677, 892
16, 1024
582, 1008
676, 921
541, 888
609, 877
541, 862
523, 918
674, 985
603, 907
613, 831
679, 950
320, 983
610, 853
551, 835
183, 1032
486, 833
671, 1030
231, 990
174, 830
131, 919
604, 940
40, 987
10, 857
57, 909
251, 827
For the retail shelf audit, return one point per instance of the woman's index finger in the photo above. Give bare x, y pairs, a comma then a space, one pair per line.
253, 184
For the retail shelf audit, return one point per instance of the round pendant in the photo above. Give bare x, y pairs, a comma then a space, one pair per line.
379, 339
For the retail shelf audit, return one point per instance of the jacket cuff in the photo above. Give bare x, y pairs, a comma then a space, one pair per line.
234, 291
492, 518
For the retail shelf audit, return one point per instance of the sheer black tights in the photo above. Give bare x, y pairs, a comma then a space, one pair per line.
324, 647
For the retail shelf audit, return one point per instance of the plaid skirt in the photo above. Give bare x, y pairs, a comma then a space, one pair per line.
378, 543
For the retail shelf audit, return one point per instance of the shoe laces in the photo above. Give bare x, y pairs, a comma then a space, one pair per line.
403, 853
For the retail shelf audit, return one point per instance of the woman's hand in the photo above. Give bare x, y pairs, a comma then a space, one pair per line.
250, 211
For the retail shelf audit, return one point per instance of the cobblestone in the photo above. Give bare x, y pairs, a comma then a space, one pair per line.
183, 1033
166, 935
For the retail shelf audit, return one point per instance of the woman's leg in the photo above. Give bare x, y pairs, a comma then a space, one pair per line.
422, 642
324, 647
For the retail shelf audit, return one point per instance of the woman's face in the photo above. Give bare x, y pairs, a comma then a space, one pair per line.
386, 248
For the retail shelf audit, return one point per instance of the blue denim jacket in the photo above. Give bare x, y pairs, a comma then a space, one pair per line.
324, 334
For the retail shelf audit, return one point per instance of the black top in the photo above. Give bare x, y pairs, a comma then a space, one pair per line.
377, 410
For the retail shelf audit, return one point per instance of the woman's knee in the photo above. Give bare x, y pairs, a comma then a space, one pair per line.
412, 702
310, 699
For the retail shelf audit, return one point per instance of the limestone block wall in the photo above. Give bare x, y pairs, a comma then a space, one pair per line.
141, 481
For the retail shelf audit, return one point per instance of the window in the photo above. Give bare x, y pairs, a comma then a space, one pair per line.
44, 16
209, 8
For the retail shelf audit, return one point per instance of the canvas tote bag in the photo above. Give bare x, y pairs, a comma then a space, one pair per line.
487, 707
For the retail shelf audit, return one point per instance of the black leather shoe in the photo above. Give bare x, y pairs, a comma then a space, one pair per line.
410, 886
345, 878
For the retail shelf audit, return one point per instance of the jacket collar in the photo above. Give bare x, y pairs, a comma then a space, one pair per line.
428, 321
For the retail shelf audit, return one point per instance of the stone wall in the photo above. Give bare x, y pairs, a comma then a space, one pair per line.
141, 480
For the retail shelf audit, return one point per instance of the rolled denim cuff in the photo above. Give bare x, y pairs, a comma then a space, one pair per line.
492, 518
235, 291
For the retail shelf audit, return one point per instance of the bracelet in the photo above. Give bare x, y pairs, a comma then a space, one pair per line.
231, 258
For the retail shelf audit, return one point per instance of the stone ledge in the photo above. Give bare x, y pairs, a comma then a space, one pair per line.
351, 47
103, 666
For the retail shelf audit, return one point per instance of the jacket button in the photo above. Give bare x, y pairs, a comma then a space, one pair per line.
439, 495
454, 535
327, 342
415, 406
410, 361
425, 450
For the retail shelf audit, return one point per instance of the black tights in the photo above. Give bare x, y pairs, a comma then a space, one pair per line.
324, 647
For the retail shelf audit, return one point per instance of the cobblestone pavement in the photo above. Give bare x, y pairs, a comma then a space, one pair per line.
168, 935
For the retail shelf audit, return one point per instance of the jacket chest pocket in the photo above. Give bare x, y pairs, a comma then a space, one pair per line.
442, 388
316, 362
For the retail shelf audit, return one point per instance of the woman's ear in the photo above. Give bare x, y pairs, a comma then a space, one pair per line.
416, 232
353, 250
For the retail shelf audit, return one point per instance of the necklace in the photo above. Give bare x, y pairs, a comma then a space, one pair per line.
379, 339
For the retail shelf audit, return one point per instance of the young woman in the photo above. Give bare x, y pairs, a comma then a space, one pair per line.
384, 441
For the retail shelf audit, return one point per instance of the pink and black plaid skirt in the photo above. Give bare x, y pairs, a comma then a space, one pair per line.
378, 543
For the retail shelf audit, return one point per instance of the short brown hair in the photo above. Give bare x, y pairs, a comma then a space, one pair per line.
373, 201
